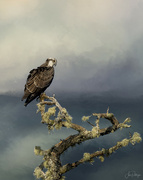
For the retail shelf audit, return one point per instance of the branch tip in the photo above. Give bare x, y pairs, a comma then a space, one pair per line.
55, 118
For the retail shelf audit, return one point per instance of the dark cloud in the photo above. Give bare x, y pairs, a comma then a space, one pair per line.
21, 131
121, 76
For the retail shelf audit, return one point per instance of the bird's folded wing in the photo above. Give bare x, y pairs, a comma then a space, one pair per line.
39, 78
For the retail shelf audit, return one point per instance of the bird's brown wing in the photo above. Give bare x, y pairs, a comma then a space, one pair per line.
37, 82
44, 77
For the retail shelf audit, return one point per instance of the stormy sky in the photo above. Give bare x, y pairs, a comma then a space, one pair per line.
98, 46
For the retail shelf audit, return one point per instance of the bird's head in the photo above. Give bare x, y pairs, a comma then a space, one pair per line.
51, 62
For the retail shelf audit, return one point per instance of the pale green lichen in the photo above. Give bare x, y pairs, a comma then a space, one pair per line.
38, 173
40, 108
110, 150
124, 124
52, 111
85, 133
95, 131
135, 138
67, 117
127, 120
48, 175
125, 142
101, 158
50, 127
64, 111
59, 114
63, 169
45, 164
67, 124
97, 123
58, 125
38, 151
110, 115
85, 118
46, 116
119, 144
86, 156
62, 178
103, 150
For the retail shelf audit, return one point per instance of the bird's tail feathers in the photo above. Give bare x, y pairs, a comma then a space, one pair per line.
25, 96
25, 104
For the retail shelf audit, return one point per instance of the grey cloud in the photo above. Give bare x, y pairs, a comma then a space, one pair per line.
16, 9
122, 74
21, 131
120, 166
82, 39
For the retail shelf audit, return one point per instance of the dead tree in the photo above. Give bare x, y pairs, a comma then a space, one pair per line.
52, 168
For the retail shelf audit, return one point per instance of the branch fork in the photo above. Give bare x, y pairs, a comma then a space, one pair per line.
51, 168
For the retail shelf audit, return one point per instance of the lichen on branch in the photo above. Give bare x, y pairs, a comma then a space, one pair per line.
56, 117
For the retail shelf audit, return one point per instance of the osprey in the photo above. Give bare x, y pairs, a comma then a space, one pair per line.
38, 80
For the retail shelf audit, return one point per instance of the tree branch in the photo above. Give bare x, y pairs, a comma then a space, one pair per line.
57, 117
88, 157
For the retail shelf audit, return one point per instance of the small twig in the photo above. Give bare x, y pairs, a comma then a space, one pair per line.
102, 153
107, 110
90, 123
54, 101
46, 103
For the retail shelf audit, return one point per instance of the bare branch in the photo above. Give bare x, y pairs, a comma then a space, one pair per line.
91, 124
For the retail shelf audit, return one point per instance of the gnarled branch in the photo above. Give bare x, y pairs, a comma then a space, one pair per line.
57, 117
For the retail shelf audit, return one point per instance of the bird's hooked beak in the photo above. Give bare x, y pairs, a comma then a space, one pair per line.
54, 61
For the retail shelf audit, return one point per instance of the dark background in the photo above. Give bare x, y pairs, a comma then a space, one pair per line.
21, 131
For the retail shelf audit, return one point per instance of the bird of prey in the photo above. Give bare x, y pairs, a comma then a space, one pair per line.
38, 80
